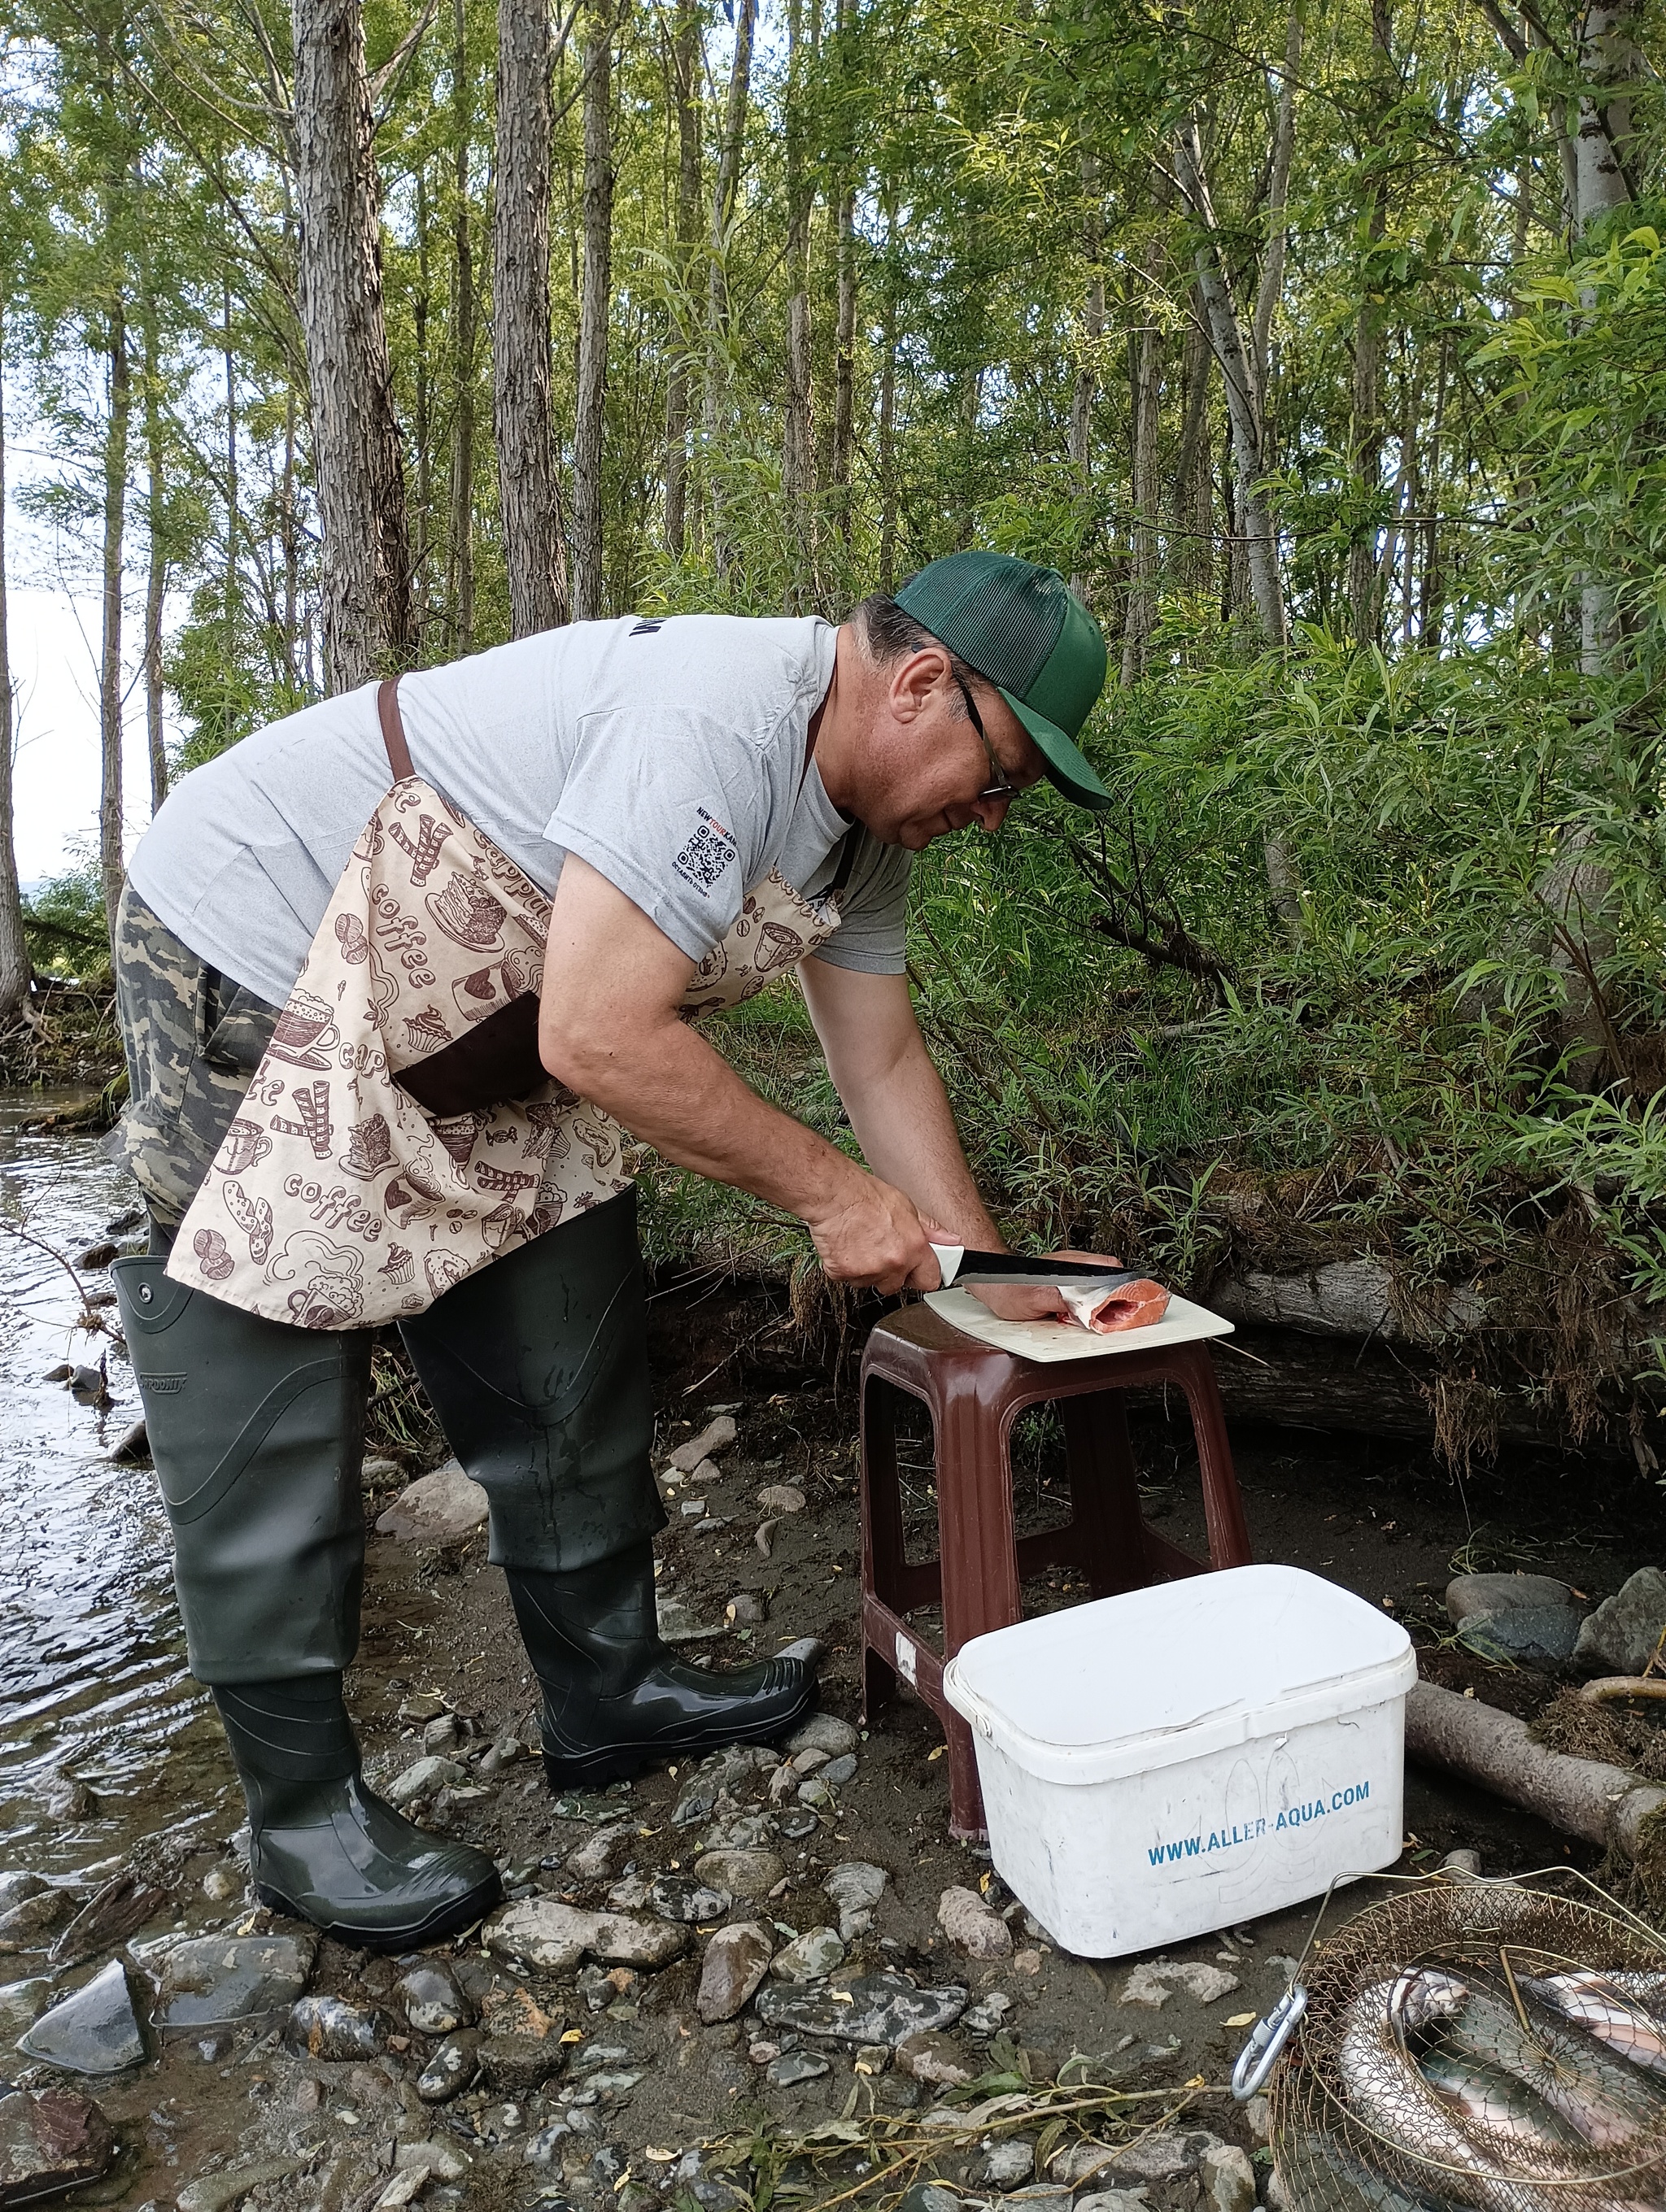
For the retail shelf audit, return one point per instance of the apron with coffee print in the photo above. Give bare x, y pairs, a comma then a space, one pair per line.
400, 1132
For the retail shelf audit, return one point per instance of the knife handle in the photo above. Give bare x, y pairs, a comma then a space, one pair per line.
949, 1257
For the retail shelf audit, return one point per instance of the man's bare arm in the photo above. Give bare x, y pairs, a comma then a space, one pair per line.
609, 1028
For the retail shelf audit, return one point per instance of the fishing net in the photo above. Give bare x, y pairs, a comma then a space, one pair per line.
1437, 2063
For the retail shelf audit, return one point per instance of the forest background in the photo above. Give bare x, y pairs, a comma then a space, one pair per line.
1320, 343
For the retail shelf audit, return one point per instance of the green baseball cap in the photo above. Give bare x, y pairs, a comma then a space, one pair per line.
1023, 629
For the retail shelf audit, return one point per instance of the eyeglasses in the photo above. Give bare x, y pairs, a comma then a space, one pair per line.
1003, 787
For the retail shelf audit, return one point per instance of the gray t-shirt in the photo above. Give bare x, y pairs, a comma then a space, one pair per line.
668, 754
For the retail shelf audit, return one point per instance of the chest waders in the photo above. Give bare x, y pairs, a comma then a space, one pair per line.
537, 1369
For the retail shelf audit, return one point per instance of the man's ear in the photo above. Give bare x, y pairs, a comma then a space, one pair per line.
916, 682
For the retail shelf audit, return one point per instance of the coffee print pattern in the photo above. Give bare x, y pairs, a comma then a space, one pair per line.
335, 1200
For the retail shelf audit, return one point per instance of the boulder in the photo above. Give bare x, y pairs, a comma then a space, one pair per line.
971, 1925
441, 1507
872, 2008
49, 2140
737, 1960
94, 2030
1623, 1634
210, 1981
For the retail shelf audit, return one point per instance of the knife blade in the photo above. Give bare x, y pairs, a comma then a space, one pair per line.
959, 1266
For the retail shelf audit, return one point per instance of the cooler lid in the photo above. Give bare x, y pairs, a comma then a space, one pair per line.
1122, 1685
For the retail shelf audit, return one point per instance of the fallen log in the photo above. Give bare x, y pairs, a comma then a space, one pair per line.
1585, 1798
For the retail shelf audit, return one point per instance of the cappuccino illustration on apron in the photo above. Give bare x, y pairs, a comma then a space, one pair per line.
400, 1132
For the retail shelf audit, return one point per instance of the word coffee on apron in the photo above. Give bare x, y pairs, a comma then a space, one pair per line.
339, 1200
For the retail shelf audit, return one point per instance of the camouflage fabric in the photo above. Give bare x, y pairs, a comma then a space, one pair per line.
193, 1039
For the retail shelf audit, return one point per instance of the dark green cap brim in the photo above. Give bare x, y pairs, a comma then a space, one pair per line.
1067, 766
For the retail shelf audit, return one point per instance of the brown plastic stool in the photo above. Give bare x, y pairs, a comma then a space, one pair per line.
974, 1394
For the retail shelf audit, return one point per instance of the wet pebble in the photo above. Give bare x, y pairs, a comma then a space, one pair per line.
451, 2069
809, 1957
423, 1778
551, 1938
330, 2028
796, 1826
431, 2000
745, 1609
675, 1897
1228, 2178
985, 2017
937, 2060
50, 2139
838, 1771
442, 1734
26, 1925
210, 1981
794, 2067
597, 1856
518, 2065
737, 1958
742, 1874
883, 2009
855, 1886
94, 2030
16, 1886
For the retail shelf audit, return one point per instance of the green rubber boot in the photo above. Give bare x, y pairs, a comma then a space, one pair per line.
257, 1431
537, 1368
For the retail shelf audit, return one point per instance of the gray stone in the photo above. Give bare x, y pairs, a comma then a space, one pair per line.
816, 1793
1623, 1634
737, 1958
716, 1437
1040, 2197
544, 2147
688, 2177
215, 2192
94, 2030
27, 1925
1228, 2178
516, 2065
742, 1874
1114, 2200
424, 1778
451, 2069
221, 1883
21, 2004
856, 1886
882, 2008
597, 1856
782, 1498
822, 1732
49, 2140
985, 2017
740, 1832
937, 2060
18, 1885
1516, 1619
330, 2028
1007, 2165
441, 1507
675, 1897
434, 2159
210, 1981
809, 1957
928, 2196
838, 1771
629, 1895
552, 1938
1152, 1986
745, 1609
1080, 2162
433, 2003
1159, 2157
794, 2067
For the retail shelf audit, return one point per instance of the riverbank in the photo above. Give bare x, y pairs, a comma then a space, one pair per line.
599, 2080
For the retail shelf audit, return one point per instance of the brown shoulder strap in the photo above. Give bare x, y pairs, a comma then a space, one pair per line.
394, 729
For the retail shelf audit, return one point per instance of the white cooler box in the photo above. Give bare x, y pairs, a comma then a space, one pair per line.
1183, 1758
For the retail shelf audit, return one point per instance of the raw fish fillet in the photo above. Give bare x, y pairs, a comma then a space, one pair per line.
1130, 1305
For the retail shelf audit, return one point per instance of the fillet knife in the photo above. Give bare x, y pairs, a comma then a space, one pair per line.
959, 1266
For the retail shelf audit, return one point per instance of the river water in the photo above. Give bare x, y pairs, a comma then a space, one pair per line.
93, 1685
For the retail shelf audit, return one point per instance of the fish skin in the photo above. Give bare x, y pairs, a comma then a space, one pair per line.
1384, 2086
1616, 2016
1486, 2096
1608, 2101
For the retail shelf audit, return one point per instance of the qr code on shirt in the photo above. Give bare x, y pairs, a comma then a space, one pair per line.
704, 858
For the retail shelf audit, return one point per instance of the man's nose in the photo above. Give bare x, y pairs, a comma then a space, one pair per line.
990, 813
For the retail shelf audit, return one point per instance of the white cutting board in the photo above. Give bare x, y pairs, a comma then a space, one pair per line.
1183, 1323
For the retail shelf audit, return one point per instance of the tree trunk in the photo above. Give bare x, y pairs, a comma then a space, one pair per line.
155, 583
887, 571
1195, 476
1242, 397
1609, 62
686, 59
528, 481
1271, 287
461, 534
1145, 347
1086, 387
113, 863
364, 583
725, 188
1364, 411
798, 461
15, 966
421, 306
595, 303
844, 363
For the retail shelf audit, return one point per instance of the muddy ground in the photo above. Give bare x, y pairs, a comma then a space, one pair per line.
1380, 1519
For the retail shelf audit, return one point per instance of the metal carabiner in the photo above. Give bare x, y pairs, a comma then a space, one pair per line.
1266, 2039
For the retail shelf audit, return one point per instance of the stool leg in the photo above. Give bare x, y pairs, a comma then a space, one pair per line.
978, 1544
882, 1531
1105, 1494
1223, 1505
